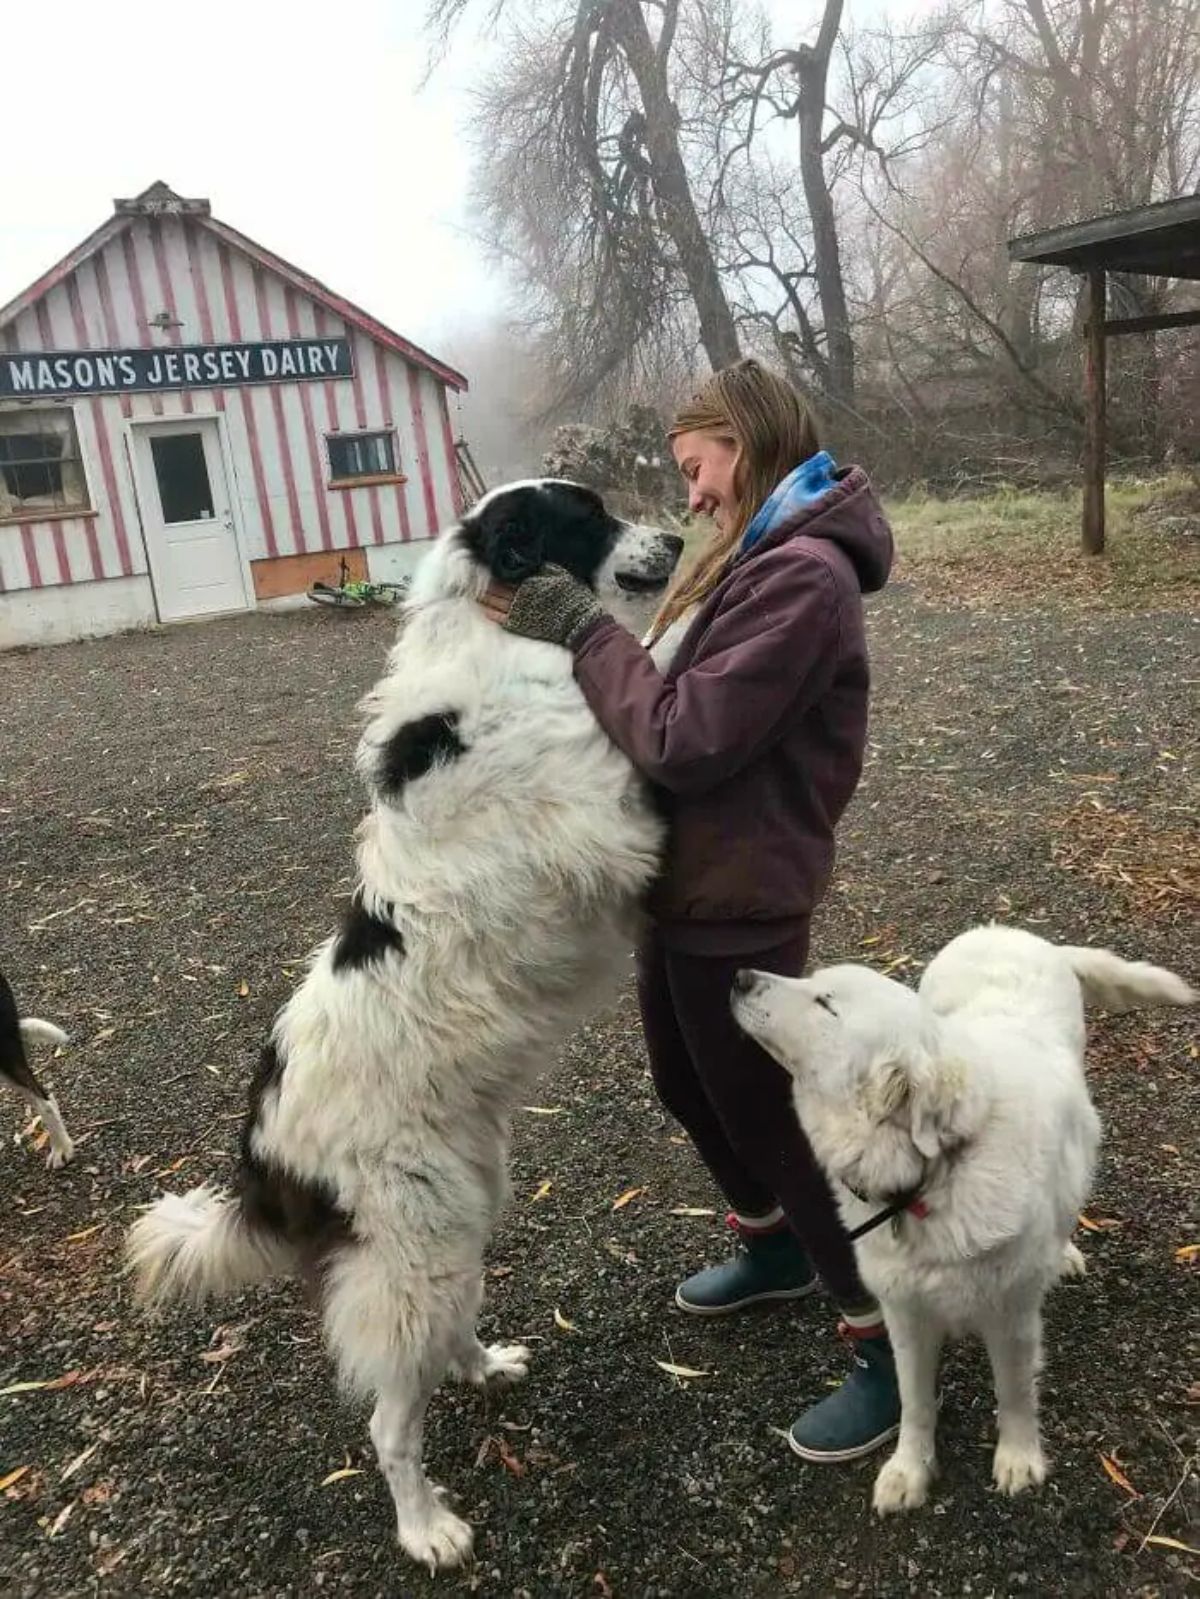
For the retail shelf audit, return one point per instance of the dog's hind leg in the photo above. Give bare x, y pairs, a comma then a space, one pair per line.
45, 1107
1014, 1346
903, 1482
395, 1336
62, 1148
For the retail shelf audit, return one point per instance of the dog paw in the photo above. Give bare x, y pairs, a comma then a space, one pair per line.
505, 1363
1016, 1467
1073, 1263
437, 1538
60, 1156
902, 1485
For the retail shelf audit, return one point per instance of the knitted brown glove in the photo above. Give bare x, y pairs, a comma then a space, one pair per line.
553, 606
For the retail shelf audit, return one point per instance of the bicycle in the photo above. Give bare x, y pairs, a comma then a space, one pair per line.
353, 593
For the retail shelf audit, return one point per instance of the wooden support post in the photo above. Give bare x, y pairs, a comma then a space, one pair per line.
1095, 403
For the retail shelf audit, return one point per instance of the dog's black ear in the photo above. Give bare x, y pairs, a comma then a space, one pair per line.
514, 548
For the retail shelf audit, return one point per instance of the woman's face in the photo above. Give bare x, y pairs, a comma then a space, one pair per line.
708, 463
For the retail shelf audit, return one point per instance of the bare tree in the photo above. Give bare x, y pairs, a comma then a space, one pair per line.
585, 182
874, 84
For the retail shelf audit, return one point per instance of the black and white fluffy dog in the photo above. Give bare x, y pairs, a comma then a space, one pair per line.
501, 866
15, 1032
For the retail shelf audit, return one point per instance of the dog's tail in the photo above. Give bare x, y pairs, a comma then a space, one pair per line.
1120, 985
200, 1244
33, 1028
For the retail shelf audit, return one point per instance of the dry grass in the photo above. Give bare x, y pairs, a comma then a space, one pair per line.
1023, 549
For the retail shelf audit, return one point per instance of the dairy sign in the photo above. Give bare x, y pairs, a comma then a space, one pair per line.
62, 374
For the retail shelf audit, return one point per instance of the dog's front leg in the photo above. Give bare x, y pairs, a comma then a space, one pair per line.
903, 1483
1014, 1345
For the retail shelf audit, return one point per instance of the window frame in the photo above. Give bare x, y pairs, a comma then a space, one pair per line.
84, 507
363, 479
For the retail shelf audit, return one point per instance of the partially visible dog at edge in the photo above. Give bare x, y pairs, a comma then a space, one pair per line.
964, 1106
501, 869
15, 1032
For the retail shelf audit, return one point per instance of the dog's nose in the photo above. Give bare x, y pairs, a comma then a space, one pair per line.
674, 543
744, 981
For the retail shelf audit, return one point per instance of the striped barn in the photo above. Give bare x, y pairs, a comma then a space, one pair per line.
191, 426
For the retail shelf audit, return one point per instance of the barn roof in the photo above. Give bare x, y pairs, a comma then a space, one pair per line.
160, 200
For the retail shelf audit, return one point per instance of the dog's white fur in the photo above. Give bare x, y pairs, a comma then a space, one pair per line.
45, 1107
16, 1034
514, 874
973, 1090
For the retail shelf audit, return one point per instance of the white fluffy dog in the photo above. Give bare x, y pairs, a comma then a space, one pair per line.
956, 1126
501, 866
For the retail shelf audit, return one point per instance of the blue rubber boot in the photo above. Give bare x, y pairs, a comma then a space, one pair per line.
763, 1267
861, 1416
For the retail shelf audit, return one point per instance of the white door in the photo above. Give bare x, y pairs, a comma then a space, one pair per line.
187, 514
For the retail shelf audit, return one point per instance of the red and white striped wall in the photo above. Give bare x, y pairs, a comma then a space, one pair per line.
217, 291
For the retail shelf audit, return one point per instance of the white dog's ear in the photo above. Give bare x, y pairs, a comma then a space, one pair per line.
936, 1098
888, 1089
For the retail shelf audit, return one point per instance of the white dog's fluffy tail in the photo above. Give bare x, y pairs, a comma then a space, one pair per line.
1120, 985
198, 1244
32, 1027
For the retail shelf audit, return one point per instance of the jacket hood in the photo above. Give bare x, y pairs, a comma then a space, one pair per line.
849, 516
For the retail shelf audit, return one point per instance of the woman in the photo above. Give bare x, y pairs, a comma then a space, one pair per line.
754, 734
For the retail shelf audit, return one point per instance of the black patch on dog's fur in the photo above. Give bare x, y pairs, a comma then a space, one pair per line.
416, 747
13, 1062
364, 938
520, 530
302, 1211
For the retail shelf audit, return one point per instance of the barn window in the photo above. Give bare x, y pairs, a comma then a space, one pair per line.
353, 456
41, 473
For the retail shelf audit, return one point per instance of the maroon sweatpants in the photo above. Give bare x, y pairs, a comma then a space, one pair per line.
735, 1102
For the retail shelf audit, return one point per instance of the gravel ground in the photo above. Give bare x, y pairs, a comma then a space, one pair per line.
175, 824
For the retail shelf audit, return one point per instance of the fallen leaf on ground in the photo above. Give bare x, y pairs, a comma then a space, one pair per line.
74, 1238
692, 1210
67, 1380
1173, 1543
601, 1583
13, 1476
78, 1461
339, 1475
544, 1110
623, 1199
1118, 1476
174, 1166
510, 1461
1189, 1252
1100, 1224
543, 1192
673, 1370
561, 1321
214, 1357
60, 1521
243, 990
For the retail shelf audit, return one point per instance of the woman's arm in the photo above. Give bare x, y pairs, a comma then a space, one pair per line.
773, 642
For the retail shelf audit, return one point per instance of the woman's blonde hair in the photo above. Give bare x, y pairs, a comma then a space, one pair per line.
773, 430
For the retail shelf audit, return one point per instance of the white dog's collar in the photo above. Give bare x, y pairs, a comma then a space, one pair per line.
910, 1201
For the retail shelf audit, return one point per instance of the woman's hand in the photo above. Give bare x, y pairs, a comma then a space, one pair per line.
497, 601
551, 606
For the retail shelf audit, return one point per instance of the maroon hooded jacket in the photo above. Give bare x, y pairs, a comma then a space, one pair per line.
755, 735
